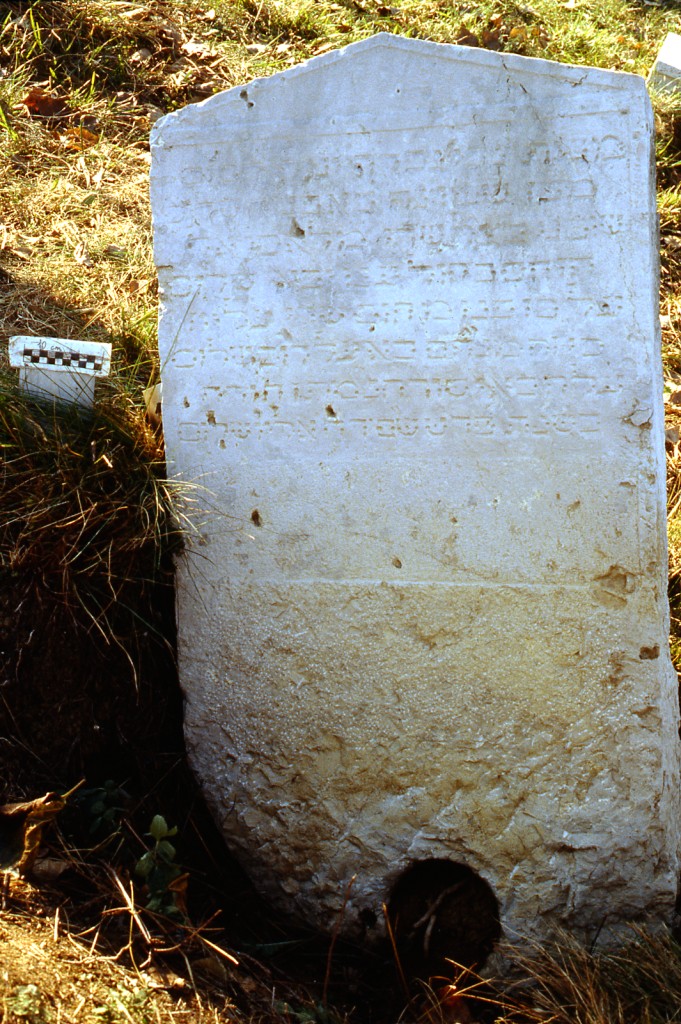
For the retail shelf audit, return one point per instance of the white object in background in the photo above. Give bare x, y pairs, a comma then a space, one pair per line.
665, 74
60, 368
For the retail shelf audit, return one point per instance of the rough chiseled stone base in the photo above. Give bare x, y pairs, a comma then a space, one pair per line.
540, 766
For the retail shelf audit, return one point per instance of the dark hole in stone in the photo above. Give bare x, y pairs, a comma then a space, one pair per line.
330, 411
649, 653
256, 518
442, 911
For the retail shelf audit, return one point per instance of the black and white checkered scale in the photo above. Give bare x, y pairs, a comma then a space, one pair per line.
58, 357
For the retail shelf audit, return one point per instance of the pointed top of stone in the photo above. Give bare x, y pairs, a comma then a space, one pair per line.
510, 65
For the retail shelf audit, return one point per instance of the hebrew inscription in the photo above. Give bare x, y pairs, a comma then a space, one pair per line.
410, 356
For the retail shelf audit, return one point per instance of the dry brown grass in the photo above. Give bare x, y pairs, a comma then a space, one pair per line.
639, 983
76, 240
51, 971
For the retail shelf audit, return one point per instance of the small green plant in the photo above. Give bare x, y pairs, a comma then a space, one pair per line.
315, 1013
26, 1002
160, 872
103, 805
125, 1005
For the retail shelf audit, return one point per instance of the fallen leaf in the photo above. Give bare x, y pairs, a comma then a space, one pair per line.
43, 104
171, 31
21, 827
141, 56
49, 869
194, 49
125, 101
466, 38
140, 287
153, 403
81, 255
208, 88
139, 12
154, 113
489, 39
159, 977
78, 138
178, 887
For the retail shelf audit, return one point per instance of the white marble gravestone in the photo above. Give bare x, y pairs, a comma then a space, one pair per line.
410, 349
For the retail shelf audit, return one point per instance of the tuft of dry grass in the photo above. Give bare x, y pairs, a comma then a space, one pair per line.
88, 528
85, 509
565, 983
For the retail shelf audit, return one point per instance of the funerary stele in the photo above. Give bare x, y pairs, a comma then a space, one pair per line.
411, 369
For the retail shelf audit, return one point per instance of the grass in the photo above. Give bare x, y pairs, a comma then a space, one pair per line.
85, 511
88, 523
638, 984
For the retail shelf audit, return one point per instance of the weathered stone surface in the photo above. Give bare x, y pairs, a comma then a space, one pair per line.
410, 347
